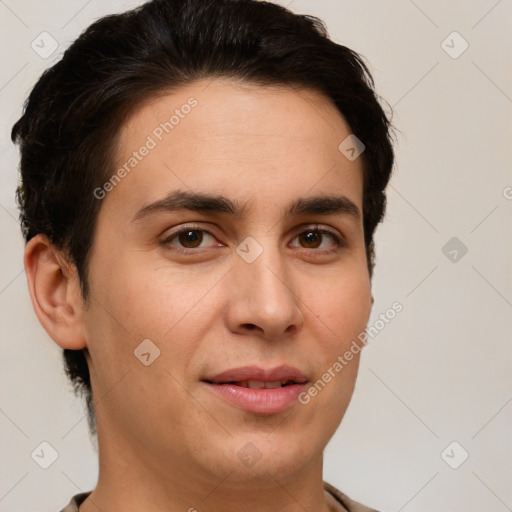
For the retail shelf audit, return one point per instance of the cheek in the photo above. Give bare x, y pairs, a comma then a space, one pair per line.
345, 306
146, 297
140, 301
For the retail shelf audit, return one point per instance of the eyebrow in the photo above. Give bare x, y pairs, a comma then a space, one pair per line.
200, 202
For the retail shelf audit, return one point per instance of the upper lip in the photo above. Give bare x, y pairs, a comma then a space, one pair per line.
242, 373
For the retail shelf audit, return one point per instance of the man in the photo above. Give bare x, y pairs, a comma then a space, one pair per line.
201, 182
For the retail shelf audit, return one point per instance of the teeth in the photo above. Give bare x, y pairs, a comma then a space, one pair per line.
255, 384
259, 384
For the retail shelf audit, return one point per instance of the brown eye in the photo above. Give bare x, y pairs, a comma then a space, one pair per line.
190, 238
316, 239
311, 239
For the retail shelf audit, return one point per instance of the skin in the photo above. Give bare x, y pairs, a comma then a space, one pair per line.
166, 442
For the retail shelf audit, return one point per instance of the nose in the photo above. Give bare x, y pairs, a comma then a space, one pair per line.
263, 299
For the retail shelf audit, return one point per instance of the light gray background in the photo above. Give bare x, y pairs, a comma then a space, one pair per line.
440, 371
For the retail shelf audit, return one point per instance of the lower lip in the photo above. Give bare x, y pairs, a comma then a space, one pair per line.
259, 401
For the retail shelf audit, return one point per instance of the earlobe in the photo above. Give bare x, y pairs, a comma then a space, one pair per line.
55, 292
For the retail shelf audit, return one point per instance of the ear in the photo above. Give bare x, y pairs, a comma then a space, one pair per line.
55, 292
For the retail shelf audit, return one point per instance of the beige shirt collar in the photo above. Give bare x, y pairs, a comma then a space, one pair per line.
350, 505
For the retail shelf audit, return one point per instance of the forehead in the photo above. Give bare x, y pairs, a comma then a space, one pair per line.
250, 142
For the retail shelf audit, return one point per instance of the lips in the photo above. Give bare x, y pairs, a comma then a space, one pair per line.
258, 390
260, 384
283, 374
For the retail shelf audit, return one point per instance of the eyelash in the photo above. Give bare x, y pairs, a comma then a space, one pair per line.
339, 242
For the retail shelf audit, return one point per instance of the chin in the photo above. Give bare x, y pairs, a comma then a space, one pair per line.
253, 457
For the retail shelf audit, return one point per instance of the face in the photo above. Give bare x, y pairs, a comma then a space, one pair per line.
213, 285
